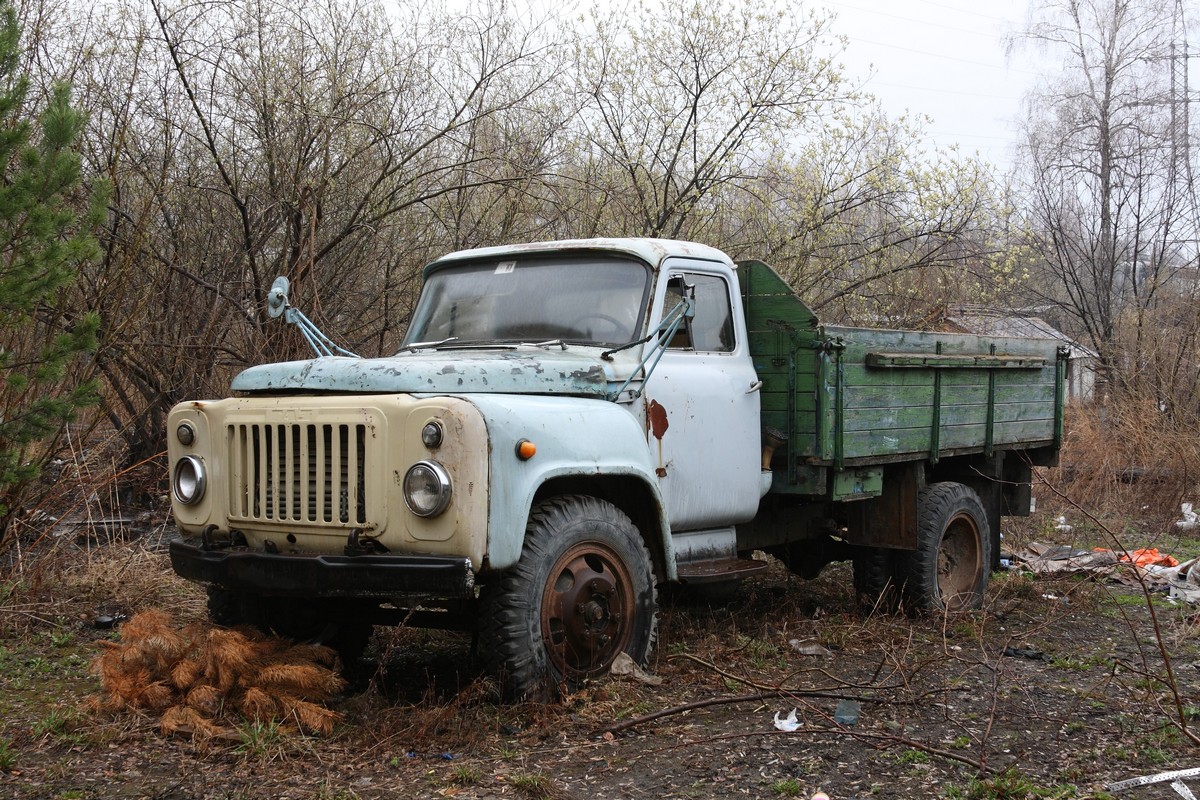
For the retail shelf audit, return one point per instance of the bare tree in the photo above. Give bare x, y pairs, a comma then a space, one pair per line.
250, 139
1112, 227
869, 226
679, 100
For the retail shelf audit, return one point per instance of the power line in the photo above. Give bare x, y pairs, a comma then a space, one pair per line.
924, 23
870, 83
944, 57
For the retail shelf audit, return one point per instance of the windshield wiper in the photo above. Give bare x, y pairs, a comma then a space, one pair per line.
415, 346
546, 345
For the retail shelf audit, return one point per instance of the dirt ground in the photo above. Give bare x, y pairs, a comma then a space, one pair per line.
1056, 689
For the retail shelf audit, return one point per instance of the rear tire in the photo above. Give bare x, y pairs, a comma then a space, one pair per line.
877, 579
582, 593
949, 570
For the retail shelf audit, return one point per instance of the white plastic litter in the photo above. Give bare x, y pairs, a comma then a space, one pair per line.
624, 665
807, 647
1060, 524
788, 723
1190, 517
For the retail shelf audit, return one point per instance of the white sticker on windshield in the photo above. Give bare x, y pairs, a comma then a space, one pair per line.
505, 267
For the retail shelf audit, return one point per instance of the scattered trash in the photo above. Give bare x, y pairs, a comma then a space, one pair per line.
1041, 558
1146, 557
847, 712
104, 622
788, 723
1176, 778
1190, 517
808, 647
1027, 652
820, 796
1160, 571
1060, 524
623, 665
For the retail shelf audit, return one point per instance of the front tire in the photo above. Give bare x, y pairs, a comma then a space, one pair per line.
949, 569
581, 594
328, 623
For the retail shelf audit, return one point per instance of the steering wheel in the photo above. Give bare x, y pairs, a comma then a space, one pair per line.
618, 327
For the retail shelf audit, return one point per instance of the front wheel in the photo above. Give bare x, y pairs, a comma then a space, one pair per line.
581, 594
949, 569
331, 623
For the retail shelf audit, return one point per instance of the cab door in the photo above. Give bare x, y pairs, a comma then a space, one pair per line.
702, 403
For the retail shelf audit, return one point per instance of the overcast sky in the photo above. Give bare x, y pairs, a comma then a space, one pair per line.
945, 59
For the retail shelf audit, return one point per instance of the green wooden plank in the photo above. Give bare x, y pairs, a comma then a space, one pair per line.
859, 397
860, 341
858, 375
866, 444
921, 417
959, 361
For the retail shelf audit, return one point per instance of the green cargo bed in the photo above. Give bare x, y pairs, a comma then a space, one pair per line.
848, 398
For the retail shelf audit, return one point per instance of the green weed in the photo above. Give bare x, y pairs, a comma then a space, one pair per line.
533, 784
465, 776
912, 757
8, 756
263, 740
788, 787
1012, 785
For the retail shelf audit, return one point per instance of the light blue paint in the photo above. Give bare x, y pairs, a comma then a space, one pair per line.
587, 438
534, 370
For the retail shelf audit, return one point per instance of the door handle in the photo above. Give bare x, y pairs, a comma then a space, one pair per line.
754, 387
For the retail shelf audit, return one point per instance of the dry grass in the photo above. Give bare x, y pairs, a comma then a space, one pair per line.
1124, 456
203, 680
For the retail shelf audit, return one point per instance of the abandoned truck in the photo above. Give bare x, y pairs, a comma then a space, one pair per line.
568, 425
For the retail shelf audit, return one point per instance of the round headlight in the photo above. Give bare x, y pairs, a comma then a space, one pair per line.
185, 433
427, 488
189, 480
431, 435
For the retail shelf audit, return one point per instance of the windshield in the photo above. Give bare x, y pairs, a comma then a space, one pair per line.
585, 299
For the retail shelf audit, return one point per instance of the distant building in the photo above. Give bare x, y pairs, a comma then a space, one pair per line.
983, 321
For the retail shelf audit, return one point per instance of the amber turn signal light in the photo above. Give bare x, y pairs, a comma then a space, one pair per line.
526, 449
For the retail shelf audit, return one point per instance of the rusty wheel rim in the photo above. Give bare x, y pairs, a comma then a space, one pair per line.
587, 609
958, 562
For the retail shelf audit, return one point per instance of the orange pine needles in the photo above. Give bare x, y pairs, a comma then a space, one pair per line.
201, 679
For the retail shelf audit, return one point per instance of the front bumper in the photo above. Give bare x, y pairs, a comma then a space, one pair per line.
312, 576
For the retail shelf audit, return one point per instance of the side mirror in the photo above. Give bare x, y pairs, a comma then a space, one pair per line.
277, 298
278, 306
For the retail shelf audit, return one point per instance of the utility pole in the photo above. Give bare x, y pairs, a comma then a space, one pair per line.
1181, 181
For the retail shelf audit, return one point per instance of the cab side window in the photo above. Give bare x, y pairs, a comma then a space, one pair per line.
711, 330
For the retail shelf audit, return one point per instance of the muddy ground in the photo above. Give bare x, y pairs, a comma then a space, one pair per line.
1056, 689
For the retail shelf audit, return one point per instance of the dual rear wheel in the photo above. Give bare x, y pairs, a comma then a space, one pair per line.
948, 570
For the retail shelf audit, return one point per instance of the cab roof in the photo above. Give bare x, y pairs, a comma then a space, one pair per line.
652, 251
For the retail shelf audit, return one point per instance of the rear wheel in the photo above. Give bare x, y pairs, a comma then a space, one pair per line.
949, 569
877, 579
581, 594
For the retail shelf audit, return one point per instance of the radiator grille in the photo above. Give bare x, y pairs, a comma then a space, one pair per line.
306, 473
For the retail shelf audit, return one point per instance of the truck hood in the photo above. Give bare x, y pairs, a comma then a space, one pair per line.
525, 371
